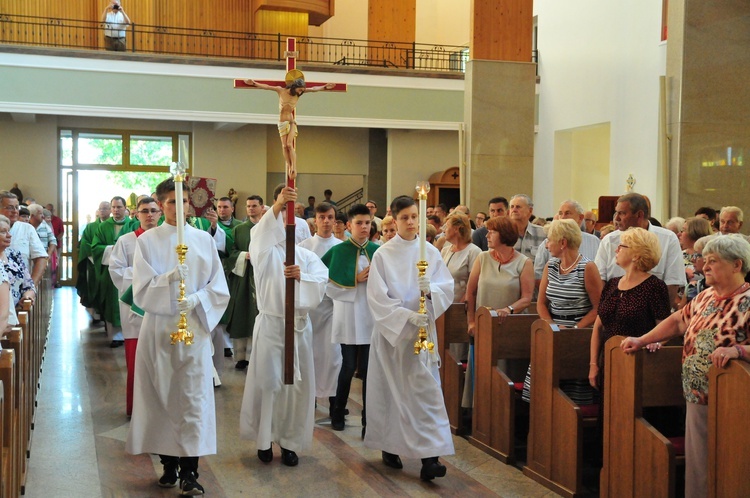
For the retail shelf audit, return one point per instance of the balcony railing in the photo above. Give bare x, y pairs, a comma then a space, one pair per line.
82, 34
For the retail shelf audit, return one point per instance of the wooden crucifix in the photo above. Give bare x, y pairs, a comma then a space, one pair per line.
289, 92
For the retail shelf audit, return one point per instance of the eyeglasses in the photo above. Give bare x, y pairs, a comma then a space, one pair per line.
149, 211
695, 255
11, 207
587, 220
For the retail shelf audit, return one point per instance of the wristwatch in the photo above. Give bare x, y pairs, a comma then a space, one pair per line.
511, 309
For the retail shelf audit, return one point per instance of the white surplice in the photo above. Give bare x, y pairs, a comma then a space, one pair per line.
272, 411
121, 272
405, 409
352, 320
173, 403
326, 354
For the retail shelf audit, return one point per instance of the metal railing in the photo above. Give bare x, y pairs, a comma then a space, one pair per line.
84, 34
345, 203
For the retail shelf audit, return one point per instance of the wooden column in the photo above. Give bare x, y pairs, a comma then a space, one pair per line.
501, 30
392, 20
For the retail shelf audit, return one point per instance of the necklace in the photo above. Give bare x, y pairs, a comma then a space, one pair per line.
741, 288
496, 256
567, 269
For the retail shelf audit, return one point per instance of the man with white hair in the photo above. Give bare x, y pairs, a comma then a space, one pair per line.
529, 235
46, 235
569, 210
24, 237
730, 220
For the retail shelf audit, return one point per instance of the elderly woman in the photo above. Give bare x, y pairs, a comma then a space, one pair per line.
459, 253
698, 282
388, 229
501, 278
632, 304
21, 285
568, 294
716, 329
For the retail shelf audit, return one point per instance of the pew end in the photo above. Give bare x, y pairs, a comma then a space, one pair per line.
496, 399
452, 328
556, 423
633, 446
728, 438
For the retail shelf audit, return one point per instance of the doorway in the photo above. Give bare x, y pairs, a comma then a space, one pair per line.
582, 164
96, 165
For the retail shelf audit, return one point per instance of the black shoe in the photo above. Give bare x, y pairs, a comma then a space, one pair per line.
289, 458
266, 456
431, 469
364, 429
227, 352
116, 344
169, 478
242, 364
189, 485
338, 422
392, 461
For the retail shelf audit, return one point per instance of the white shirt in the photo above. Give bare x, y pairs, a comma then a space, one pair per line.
27, 242
670, 269
115, 25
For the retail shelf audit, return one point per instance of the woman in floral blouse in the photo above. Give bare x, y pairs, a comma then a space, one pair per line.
21, 285
716, 325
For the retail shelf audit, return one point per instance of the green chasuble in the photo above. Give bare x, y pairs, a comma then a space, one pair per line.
242, 307
230, 238
107, 294
341, 261
86, 280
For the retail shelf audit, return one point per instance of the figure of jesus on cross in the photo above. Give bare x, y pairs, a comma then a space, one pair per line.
289, 92
288, 97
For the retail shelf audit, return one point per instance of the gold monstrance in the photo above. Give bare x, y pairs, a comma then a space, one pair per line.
183, 334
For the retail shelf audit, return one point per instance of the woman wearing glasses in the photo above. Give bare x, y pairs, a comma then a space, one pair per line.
633, 304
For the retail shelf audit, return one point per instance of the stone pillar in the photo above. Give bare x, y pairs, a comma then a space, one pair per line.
499, 102
708, 69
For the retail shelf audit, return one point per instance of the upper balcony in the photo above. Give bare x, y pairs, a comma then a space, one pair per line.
84, 38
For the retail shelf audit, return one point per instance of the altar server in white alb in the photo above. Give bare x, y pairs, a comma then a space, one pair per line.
407, 414
273, 412
173, 407
121, 271
326, 354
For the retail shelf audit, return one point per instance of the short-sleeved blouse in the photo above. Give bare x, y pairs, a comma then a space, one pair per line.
635, 311
460, 263
18, 275
711, 322
499, 285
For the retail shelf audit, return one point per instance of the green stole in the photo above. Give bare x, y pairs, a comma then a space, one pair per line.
342, 259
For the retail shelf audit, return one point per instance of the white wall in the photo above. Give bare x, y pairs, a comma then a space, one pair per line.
416, 155
600, 62
443, 22
349, 21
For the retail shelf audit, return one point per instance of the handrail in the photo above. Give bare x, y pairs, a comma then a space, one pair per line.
159, 39
345, 203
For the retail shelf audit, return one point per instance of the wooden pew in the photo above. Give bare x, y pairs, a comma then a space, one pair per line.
555, 444
451, 329
9, 475
29, 383
633, 448
728, 438
495, 393
14, 340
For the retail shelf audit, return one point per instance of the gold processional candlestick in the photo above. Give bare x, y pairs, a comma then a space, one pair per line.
183, 334
422, 344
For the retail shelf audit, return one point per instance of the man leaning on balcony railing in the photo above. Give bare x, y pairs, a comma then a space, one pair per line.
115, 20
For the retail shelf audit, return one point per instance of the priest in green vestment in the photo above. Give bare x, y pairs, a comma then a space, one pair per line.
101, 247
86, 283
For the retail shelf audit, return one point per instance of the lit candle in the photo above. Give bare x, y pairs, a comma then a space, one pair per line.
178, 171
423, 187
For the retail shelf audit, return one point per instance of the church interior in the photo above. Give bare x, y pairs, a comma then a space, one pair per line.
583, 99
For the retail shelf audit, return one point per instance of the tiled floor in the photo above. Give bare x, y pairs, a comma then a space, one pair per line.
78, 447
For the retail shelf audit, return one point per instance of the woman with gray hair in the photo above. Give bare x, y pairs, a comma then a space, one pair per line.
716, 329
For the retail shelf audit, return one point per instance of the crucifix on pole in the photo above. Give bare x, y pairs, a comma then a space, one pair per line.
289, 92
